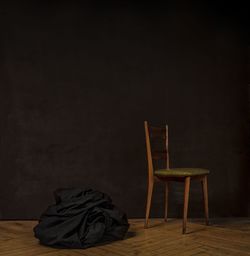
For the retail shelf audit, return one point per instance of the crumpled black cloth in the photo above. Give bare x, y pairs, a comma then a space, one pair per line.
80, 219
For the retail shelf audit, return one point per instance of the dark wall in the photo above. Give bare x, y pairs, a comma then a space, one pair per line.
78, 81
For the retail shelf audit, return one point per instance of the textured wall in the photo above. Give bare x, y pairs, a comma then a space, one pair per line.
77, 82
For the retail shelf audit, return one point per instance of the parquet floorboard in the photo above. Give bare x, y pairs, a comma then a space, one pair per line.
230, 237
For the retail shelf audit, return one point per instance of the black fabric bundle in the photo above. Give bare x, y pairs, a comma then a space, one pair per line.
81, 219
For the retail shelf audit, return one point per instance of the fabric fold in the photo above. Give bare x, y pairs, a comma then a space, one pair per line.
81, 219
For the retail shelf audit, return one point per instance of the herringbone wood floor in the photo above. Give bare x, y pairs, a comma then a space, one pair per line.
223, 238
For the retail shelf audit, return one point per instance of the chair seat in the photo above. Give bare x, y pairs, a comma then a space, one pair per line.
181, 172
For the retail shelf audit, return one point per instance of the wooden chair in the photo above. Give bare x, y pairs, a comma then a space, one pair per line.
167, 175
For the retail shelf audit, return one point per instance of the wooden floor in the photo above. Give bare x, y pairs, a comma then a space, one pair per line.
224, 237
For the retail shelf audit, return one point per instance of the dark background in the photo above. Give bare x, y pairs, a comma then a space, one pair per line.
78, 80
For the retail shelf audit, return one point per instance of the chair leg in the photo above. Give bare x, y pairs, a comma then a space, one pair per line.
166, 201
149, 197
185, 208
205, 197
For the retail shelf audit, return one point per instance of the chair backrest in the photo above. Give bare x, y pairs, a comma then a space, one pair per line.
151, 133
